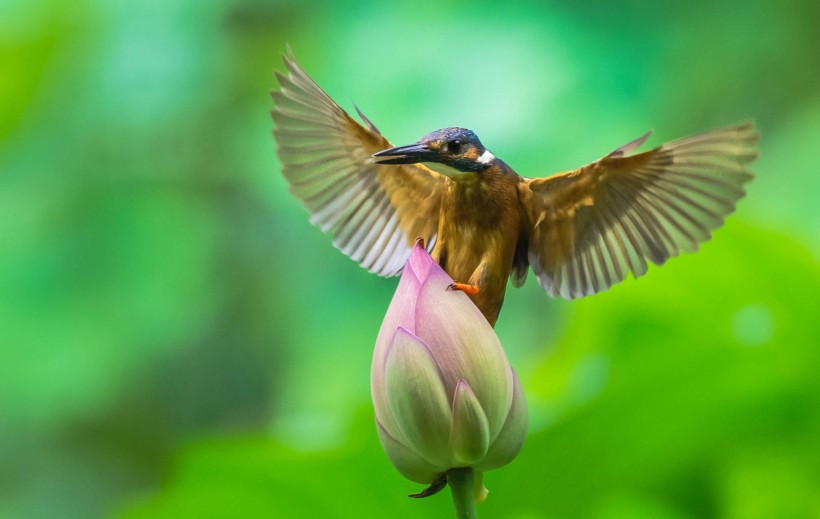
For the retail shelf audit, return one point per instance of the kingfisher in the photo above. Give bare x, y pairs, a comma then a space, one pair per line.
580, 231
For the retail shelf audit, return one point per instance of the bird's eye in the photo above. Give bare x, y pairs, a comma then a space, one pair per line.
454, 146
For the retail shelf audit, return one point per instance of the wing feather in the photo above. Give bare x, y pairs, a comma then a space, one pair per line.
592, 226
374, 213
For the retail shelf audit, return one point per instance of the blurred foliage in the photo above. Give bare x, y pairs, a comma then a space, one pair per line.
178, 341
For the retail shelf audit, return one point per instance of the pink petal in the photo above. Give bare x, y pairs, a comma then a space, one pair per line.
419, 263
465, 346
416, 400
407, 461
400, 314
470, 433
511, 437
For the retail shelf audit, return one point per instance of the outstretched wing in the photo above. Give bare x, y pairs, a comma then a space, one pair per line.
374, 213
594, 225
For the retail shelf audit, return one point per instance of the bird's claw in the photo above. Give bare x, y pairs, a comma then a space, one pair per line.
470, 290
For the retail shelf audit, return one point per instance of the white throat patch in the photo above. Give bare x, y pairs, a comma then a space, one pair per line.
486, 157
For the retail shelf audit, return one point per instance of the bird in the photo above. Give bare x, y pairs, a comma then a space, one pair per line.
579, 231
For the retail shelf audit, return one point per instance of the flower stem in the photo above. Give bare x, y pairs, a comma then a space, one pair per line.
461, 485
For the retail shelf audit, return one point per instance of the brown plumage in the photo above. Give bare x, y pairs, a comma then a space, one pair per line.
581, 231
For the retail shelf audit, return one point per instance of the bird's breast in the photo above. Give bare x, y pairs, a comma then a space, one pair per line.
478, 228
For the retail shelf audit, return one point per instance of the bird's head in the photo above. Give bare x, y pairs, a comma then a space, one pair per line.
454, 152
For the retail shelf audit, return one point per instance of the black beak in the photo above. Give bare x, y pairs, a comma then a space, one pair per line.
411, 154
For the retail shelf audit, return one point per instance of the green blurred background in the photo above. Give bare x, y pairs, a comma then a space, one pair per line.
178, 341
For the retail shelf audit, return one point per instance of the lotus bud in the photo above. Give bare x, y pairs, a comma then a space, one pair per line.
444, 393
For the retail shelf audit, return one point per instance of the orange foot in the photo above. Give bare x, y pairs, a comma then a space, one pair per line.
470, 290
